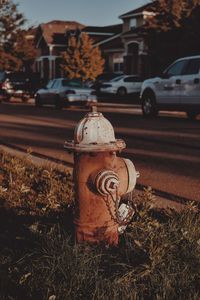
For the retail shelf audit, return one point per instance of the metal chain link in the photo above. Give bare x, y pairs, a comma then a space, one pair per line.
116, 217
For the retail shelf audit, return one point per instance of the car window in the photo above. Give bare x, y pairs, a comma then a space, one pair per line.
192, 67
107, 76
55, 84
2, 76
72, 83
117, 79
176, 69
132, 79
50, 84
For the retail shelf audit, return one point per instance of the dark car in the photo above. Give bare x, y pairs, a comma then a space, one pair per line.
18, 84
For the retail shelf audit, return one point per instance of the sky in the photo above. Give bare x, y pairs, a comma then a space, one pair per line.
86, 12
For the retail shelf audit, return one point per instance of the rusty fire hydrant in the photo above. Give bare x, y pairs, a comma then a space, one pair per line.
100, 178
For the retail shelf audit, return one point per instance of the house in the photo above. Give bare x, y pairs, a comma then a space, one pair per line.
133, 39
125, 49
148, 52
101, 36
51, 40
122, 45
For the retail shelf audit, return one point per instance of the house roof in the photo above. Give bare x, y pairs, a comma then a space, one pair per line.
54, 32
50, 29
100, 33
111, 29
113, 43
139, 10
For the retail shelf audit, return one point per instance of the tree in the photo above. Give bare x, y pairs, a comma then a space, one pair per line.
25, 50
13, 40
81, 59
173, 31
171, 14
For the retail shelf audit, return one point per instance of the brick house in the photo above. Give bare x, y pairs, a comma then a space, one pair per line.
101, 36
122, 45
127, 51
50, 41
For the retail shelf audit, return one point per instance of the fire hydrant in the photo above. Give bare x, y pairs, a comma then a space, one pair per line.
100, 179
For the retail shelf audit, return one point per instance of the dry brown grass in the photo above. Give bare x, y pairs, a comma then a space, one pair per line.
32, 189
158, 257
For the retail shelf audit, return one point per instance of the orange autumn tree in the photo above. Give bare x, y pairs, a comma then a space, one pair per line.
16, 51
81, 59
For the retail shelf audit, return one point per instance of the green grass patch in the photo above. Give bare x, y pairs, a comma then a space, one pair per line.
158, 257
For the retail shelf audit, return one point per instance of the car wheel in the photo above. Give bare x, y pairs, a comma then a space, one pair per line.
121, 92
149, 108
38, 102
192, 115
25, 98
58, 103
7, 98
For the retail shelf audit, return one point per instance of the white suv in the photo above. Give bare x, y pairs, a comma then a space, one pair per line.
178, 88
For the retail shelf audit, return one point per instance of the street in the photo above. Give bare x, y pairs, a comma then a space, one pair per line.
165, 150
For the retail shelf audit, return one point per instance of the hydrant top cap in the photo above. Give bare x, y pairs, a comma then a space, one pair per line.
94, 133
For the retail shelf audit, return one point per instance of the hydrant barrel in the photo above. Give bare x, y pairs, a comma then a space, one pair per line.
93, 218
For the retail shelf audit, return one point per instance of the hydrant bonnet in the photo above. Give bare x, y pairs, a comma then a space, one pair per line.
94, 133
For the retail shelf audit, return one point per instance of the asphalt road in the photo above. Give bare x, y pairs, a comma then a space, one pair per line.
165, 150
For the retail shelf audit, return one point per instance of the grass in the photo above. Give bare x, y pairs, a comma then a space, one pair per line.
158, 257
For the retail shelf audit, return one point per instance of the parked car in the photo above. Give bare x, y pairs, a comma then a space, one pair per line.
63, 92
104, 77
122, 85
178, 88
18, 84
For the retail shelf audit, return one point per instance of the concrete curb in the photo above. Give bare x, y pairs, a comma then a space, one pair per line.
38, 161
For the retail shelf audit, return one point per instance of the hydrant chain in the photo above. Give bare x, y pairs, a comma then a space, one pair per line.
116, 218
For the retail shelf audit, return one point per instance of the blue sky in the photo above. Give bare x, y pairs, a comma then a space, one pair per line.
87, 12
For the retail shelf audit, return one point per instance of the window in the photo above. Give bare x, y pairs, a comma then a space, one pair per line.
2, 76
132, 79
132, 23
73, 83
118, 67
176, 69
117, 78
56, 84
192, 67
50, 84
